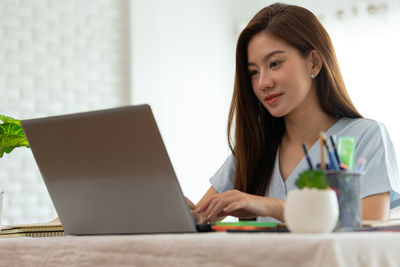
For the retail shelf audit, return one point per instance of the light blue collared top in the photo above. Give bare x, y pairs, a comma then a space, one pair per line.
373, 143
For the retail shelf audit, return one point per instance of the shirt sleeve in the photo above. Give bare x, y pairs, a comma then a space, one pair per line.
381, 171
223, 179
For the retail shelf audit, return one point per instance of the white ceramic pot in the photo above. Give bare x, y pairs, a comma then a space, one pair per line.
311, 210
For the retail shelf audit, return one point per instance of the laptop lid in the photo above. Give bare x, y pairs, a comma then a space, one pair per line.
108, 172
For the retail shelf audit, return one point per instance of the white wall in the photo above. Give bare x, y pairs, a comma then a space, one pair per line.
56, 57
182, 64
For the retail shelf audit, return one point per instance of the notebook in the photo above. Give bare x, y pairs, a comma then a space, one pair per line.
32, 230
108, 172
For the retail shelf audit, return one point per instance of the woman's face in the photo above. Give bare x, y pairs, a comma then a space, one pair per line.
280, 76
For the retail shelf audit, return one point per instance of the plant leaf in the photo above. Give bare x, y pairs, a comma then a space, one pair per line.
6, 119
312, 179
11, 135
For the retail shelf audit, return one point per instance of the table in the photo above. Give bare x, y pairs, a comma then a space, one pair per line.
206, 249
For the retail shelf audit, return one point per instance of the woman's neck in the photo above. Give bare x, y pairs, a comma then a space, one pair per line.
305, 126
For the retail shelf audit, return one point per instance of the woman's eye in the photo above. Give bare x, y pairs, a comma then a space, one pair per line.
252, 72
274, 64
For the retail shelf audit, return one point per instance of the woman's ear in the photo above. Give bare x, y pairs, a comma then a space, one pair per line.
315, 63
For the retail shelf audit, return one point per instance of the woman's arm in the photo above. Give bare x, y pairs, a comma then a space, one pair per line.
376, 207
215, 206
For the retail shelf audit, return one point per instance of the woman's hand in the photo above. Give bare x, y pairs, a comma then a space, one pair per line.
198, 216
190, 203
239, 204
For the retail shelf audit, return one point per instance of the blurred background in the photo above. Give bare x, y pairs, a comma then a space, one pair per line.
178, 56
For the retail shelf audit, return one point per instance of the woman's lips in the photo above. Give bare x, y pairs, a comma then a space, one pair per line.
272, 98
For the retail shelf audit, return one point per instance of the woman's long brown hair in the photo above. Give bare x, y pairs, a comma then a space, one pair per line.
253, 134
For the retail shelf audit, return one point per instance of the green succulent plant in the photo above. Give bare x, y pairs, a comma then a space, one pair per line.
312, 179
11, 135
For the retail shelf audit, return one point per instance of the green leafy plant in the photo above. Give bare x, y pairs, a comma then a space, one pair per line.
11, 135
312, 179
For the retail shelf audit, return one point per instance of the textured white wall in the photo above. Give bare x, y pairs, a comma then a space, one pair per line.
56, 57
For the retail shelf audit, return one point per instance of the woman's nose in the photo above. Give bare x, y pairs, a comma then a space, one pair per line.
265, 80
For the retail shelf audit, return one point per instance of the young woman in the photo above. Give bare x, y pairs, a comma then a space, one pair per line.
288, 89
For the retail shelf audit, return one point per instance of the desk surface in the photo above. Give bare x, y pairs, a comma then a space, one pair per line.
205, 249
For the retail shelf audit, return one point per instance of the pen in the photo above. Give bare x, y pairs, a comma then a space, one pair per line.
334, 145
307, 156
322, 146
331, 154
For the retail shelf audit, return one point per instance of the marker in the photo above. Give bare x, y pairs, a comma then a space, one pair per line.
346, 150
308, 157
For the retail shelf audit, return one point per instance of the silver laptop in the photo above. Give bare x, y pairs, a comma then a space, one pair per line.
108, 172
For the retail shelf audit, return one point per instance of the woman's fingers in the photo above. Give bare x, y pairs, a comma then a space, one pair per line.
233, 206
211, 204
198, 216
218, 204
215, 205
191, 204
201, 218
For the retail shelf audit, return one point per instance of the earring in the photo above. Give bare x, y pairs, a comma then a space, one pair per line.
312, 75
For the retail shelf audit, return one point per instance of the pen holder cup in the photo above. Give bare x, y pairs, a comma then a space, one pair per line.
347, 187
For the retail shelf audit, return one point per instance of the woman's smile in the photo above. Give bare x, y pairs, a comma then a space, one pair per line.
272, 98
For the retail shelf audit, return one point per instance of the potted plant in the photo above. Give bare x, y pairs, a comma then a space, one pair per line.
313, 207
11, 135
